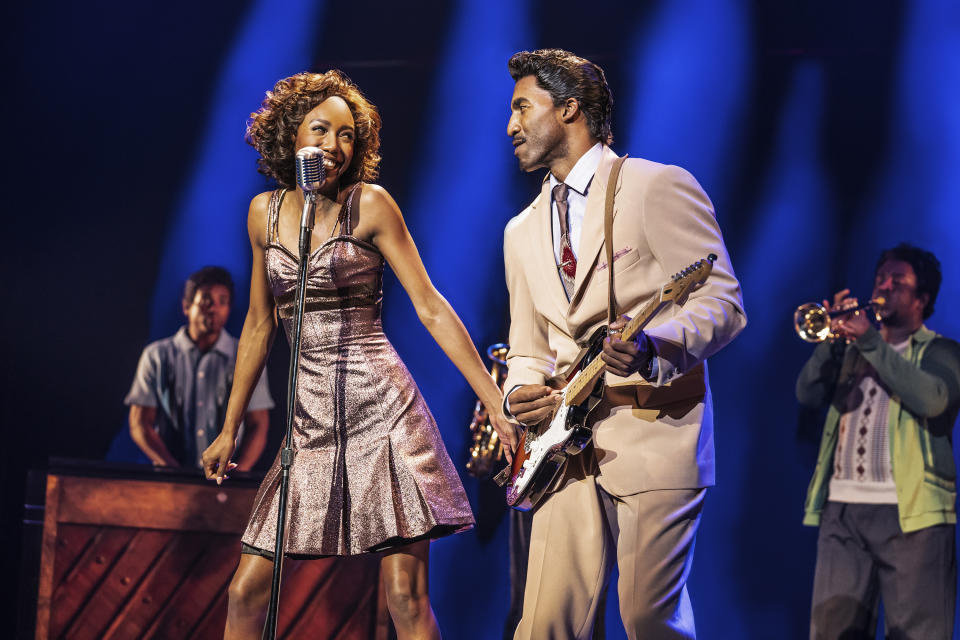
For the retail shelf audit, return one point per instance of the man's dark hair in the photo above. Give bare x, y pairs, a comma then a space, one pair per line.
925, 266
565, 75
205, 277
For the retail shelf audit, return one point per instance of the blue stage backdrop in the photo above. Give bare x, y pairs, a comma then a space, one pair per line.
822, 132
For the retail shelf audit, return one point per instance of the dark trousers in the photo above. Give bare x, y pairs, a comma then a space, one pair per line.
863, 557
520, 523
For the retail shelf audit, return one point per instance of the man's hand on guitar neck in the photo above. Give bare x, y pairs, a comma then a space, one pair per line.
625, 358
532, 403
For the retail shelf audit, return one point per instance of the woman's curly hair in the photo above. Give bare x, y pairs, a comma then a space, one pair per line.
272, 130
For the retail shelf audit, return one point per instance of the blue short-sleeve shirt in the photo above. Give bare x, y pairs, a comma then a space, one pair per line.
190, 390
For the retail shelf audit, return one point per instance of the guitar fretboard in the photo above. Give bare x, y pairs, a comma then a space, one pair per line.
579, 388
582, 384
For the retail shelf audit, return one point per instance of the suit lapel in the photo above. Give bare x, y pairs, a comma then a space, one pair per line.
543, 246
591, 236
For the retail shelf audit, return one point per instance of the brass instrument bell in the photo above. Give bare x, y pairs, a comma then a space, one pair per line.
811, 320
485, 446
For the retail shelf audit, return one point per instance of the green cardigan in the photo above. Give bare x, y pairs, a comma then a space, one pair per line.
924, 386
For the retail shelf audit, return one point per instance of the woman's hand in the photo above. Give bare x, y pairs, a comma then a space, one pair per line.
506, 431
216, 459
256, 337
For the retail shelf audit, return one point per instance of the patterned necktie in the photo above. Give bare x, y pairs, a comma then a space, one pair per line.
568, 262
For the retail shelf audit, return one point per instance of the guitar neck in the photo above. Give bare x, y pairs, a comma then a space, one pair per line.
639, 321
675, 290
582, 384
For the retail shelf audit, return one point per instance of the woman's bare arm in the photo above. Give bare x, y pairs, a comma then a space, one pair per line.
259, 329
384, 222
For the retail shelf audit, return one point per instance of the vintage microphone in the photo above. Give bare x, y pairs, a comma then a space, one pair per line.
310, 176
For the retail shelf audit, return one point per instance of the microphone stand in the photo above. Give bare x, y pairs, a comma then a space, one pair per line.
286, 454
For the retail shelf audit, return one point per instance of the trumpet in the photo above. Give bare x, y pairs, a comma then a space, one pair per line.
485, 446
811, 321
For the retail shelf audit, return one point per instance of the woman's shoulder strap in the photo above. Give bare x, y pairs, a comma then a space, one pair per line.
348, 213
273, 215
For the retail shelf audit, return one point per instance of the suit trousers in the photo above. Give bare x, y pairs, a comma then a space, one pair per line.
863, 557
578, 533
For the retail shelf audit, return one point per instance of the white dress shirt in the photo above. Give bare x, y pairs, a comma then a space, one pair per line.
578, 180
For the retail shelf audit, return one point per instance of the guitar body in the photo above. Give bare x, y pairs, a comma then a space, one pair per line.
544, 448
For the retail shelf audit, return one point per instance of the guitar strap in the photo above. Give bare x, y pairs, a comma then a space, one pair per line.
611, 299
608, 234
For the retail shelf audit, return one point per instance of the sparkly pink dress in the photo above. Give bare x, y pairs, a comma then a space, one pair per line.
370, 470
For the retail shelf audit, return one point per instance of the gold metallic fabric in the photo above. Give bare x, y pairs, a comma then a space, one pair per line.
370, 470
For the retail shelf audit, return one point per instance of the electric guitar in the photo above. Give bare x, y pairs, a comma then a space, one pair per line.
544, 448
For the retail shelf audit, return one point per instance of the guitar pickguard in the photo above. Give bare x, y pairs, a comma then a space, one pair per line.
543, 454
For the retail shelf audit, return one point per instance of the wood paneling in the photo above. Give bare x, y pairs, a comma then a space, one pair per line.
156, 505
127, 558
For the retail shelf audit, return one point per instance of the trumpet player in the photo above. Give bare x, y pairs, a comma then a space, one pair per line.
883, 491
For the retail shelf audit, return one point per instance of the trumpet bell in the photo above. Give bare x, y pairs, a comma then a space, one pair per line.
812, 322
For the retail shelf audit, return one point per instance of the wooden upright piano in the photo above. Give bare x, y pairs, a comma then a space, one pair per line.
133, 552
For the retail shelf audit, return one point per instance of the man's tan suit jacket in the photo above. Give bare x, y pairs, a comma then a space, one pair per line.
663, 222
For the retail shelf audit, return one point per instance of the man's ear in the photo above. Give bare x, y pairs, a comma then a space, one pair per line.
186, 307
571, 109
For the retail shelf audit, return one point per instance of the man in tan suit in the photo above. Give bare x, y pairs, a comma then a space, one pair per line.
635, 496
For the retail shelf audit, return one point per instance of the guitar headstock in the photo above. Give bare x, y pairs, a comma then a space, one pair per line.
683, 282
